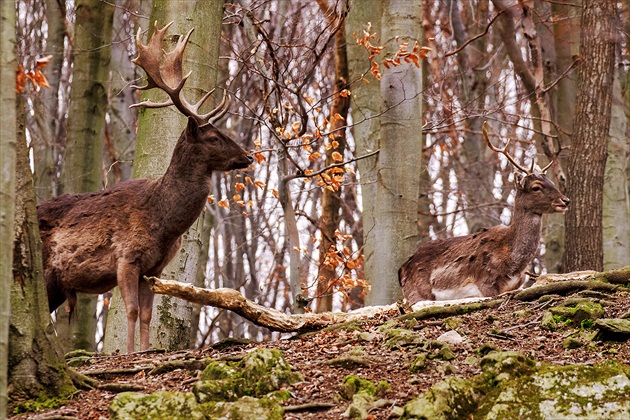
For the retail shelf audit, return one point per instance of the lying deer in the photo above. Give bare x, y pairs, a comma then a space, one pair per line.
490, 262
94, 241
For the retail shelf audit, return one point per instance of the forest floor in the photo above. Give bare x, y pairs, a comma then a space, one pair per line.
514, 325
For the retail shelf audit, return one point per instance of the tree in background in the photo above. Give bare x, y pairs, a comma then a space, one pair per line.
587, 159
8, 67
399, 160
83, 161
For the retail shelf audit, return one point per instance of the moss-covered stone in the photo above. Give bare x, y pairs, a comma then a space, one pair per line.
259, 373
613, 328
576, 314
397, 338
245, 408
453, 322
352, 384
159, 405
570, 343
514, 386
450, 399
419, 364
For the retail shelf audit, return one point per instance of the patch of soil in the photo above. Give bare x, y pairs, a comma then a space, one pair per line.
512, 326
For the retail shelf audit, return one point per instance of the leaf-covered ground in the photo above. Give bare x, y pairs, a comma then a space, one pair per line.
374, 350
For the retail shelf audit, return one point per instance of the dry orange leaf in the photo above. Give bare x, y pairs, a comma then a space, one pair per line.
337, 157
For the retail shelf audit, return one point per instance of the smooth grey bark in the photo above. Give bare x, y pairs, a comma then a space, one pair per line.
400, 157
158, 131
82, 171
365, 109
566, 31
616, 211
8, 66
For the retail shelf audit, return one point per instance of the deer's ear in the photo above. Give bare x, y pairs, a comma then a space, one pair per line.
519, 180
192, 129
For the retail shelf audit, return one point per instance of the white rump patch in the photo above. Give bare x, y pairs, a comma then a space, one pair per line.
467, 291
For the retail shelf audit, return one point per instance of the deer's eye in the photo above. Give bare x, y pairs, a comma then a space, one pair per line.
536, 188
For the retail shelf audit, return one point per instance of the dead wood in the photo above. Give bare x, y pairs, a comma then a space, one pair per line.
258, 314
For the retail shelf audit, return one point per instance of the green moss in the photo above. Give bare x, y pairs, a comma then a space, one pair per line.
352, 384
156, 406
259, 373
40, 404
419, 364
245, 408
453, 322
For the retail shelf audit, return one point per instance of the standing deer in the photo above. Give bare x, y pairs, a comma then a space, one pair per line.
493, 260
94, 241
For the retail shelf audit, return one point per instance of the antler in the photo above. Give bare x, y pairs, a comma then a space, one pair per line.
167, 76
504, 152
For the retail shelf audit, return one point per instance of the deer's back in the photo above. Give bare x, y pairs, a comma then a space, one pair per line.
84, 236
466, 266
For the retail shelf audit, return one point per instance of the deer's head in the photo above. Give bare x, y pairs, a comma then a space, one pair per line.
535, 193
201, 139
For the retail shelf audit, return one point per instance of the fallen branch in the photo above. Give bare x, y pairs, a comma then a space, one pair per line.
260, 315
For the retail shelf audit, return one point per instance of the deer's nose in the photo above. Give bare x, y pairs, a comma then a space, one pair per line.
566, 201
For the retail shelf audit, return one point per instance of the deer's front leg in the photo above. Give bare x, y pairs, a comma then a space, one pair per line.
145, 299
128, 276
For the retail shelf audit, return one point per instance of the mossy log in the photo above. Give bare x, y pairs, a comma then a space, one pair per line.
563, 288
454, 310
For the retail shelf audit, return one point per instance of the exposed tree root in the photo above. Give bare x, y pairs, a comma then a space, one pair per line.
446, 311
563, 288
191, 364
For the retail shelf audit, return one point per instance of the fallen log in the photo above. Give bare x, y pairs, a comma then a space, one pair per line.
260, 315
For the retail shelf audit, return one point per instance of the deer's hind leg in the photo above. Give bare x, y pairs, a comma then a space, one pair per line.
128, 277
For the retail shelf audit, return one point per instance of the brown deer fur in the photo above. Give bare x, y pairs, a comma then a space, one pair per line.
94, 241
489, 262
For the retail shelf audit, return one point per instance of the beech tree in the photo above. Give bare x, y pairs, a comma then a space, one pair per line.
83, 160
8, 67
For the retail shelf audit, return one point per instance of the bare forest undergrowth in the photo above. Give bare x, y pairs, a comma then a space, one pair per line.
366, 349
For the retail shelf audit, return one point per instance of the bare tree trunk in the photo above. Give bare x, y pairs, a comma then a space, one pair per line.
616, 210
587, 160
567, 44
365, 116
45, 131
158, 131
396, 207
82, 170
35, 368
331, 199
476, 174
8, 136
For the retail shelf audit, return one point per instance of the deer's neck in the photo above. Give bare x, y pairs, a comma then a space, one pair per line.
524, 235
181, 194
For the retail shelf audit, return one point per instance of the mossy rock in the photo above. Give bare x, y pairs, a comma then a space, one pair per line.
514, 386
259, 373
576, 314
159, 405
352, 384
453, 322
419, 364
453, 398
397, 338
613, 328
245, 408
